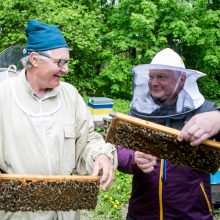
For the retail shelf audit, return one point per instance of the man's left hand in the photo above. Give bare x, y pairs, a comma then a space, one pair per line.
103, 166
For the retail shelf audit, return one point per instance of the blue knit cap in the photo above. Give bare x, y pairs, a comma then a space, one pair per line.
42, 37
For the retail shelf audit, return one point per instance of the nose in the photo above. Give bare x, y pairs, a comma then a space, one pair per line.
153, 81
64, 69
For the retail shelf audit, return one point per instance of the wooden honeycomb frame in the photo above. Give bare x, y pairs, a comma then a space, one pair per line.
47, 193
161, 141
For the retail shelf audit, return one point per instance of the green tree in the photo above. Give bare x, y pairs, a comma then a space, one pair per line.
108, 38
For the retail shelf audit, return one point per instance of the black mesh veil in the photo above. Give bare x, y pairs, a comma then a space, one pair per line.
11, 56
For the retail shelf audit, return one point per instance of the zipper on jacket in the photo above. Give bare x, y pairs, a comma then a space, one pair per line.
164, 176
206, 197
161, 189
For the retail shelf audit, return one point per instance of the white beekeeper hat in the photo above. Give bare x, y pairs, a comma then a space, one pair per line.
169, 58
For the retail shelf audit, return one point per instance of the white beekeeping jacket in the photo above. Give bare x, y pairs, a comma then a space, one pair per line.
53, 135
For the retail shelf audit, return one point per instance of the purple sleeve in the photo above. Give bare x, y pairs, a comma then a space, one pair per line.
125, 160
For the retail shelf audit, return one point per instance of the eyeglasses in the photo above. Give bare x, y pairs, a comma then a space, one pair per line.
60, 62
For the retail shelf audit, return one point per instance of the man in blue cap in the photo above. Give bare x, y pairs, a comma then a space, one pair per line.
46, 127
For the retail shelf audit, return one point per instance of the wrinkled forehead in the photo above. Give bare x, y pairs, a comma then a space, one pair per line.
164, 72
60, 53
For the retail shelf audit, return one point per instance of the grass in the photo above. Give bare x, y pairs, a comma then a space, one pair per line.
112, 204
121, 105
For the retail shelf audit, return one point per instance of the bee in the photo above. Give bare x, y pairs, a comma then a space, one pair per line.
16, 195
162, 145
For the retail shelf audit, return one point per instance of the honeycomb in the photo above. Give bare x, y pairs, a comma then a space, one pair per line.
139, 137
26, 195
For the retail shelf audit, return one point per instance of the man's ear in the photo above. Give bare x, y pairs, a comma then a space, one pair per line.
33, 58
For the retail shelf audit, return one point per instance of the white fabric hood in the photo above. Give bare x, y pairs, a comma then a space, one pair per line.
189, 97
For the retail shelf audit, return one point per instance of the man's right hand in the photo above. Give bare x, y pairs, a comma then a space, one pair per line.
201, 127
145, 162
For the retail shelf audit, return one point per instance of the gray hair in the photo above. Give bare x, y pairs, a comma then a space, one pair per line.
26, 61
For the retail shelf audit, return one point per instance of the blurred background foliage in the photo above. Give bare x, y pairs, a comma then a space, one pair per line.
109, 37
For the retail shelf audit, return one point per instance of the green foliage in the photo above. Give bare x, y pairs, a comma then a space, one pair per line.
211, 88
109, 38
218, 103
121, 105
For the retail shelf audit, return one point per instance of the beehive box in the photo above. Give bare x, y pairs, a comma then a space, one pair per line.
161, 141
47, 193
215, 192
100, 107
215, 187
